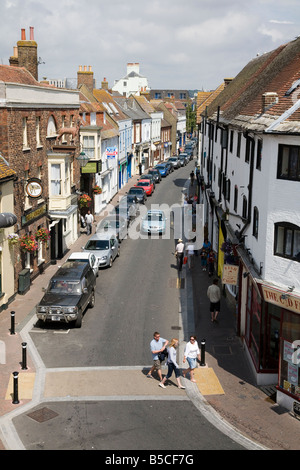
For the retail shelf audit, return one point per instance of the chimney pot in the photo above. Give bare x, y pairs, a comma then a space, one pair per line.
15, 51
31, 33
80, 68
84, 68
23, 35
90, 68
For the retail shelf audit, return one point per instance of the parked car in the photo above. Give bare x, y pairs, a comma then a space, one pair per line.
146, 185
163, 169
156, 174
114, 223
184, 158
139, 193
130, 201
105, 247
170, 166
190, 154
175, 162
150, 177
70, 291
85, 258
154, 222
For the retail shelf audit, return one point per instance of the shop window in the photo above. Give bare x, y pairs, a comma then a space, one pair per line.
287, 241
289, 378
288, 167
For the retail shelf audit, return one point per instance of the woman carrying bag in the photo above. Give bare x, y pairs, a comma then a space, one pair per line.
172, 364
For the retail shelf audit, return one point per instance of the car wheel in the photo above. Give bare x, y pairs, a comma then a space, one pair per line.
92, 300
78, 321
118, 253
110, 262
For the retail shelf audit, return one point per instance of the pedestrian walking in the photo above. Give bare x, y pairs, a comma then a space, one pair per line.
89, 219
211, 263
214, 295
190, 251
203, 257
172, 364
157, 345
191, 354
179, 253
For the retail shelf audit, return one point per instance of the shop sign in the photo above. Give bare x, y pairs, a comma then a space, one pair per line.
230, 274
33, 214
92, 167
281, 299
111, 152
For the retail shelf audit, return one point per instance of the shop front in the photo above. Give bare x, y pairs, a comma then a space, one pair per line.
270, 326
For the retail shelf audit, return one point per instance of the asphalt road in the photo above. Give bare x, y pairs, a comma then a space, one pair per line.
135, 297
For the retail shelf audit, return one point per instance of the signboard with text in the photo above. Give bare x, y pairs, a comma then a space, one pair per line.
230, 274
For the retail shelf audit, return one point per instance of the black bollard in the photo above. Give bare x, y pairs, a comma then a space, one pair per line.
24, 357
202, 361
16, 391
12, 323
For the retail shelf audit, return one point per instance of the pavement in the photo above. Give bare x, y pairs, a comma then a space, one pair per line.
224, 391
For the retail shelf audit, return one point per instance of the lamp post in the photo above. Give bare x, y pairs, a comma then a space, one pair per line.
83, 159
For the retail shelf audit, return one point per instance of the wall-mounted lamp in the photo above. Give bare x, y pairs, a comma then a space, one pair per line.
83, 159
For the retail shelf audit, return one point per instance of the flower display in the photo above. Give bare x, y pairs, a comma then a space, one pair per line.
227, 249
97, 190
13, 239
84, 200
42, 235
28, 243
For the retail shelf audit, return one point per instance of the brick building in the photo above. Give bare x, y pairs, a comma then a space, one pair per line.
33, 117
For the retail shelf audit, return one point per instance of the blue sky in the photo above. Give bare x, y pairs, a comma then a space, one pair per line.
180, 44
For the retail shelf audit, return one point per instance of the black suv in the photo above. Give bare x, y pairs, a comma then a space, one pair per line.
70, 291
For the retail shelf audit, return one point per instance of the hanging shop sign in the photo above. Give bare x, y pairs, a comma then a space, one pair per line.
92, 167
34, 187
230, 274
111, 152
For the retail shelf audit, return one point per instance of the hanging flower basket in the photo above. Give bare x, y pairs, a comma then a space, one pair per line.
97, 190
84, 200
42, 235
227, 249
28, 243
13, 239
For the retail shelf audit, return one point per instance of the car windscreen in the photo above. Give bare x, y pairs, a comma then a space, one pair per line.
143, 183
64, 287
155, 217
136, 190
97, 245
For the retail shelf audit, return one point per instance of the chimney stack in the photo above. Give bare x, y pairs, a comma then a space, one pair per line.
104, 84
268, 99
85, 77
27, 53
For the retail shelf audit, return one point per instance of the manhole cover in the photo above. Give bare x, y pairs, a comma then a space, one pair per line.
222, 349
42, 415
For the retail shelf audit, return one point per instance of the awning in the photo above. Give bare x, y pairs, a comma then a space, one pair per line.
63, 214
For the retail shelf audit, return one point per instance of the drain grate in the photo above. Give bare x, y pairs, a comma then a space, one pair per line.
222, 350
42, 415
177, 283
175, 327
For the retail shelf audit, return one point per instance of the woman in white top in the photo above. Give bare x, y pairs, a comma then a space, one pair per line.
172, 364
191, 353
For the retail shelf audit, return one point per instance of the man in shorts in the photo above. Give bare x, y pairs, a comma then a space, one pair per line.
157, 345
214, 295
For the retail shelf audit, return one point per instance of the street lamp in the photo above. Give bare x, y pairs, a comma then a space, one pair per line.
83, 159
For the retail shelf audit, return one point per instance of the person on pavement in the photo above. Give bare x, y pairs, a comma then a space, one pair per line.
172, 364
179, 252
157, 345
214, 295
191, 354
89, 219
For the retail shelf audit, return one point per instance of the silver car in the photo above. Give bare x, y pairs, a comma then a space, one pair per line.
105, 246
175, 161
114, 223
154, 222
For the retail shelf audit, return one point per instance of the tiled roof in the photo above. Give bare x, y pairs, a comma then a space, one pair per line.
145, 104
10, 74
205, 101
5, 170
102, 96
241, 102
